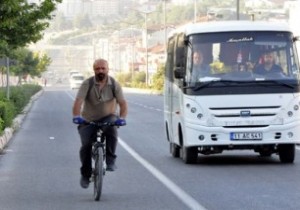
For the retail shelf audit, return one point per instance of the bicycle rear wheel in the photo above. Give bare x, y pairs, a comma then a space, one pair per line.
98, 174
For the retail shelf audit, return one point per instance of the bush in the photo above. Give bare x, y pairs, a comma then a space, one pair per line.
137, 79
7, 114
20, 95
123, 78
19, 98
158, 78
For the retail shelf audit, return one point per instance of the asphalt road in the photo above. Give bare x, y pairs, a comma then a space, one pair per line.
40, 167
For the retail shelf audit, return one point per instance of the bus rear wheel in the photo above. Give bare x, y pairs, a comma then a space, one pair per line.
189, 154
286, 153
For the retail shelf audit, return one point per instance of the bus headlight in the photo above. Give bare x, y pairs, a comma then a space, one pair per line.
296, 107
193, 109
290, 113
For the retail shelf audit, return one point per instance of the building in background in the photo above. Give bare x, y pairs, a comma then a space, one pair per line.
94, 8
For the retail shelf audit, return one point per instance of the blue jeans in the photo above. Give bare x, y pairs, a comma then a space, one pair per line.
88, 136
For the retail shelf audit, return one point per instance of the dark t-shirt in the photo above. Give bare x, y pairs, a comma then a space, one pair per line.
261, 69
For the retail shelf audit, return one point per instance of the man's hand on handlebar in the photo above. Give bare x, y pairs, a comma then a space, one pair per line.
120, 122
78, 120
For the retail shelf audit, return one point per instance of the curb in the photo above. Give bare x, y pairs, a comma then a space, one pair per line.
8, 132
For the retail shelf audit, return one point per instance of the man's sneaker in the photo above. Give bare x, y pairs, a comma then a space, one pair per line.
84, 182
111, 167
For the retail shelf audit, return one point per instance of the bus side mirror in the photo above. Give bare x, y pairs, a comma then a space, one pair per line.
179, 72
296, 38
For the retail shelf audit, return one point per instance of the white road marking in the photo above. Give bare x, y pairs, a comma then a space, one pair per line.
176, 190
71, 96
146, 107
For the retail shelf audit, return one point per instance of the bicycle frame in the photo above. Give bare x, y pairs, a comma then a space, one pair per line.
99, 158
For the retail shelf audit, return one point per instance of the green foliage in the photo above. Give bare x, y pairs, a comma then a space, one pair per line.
158, 78
26, 62
22, 23
7, 113
123, 78
139, 77
19, 98
29, 63
43, 62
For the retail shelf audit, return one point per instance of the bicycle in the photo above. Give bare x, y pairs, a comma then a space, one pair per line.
99, 157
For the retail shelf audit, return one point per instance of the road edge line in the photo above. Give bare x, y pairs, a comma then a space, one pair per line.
176, 190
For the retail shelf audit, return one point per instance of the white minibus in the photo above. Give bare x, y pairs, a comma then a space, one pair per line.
247, 97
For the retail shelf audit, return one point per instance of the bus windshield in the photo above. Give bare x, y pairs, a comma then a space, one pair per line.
242, 56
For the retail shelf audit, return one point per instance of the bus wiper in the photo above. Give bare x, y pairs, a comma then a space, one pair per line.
212, 82
259, 82
277, 82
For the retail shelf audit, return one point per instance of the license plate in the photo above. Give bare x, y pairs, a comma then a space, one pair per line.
246, 136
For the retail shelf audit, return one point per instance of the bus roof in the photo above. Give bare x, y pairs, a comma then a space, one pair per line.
230, 26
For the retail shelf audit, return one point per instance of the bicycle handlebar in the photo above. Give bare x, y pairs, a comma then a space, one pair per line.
101, 124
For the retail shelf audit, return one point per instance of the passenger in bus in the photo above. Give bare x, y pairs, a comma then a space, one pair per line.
268, 65
200, 69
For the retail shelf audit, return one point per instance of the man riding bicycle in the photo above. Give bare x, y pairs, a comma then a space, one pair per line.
97, 100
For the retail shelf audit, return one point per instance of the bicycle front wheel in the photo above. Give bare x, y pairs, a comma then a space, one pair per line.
98, 174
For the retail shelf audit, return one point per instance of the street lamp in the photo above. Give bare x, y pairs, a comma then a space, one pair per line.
146, 40
165, 27
195, 11
146, 43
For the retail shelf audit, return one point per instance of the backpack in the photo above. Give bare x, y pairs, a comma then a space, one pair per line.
91, 83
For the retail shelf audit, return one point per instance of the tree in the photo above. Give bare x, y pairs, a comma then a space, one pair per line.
43, 62
26, 62
158, 78
29, 63
22, 23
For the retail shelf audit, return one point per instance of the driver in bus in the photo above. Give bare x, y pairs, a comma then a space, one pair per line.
268, 65
200, 69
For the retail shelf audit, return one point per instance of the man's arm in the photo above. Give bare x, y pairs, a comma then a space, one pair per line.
123, 108
77, 106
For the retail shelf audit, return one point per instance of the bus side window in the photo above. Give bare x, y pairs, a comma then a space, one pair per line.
179, 68
170, 60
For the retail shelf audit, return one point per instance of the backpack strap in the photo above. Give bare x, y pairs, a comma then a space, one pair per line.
91, 83
113, 82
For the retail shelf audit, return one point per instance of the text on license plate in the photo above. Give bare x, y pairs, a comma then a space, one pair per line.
246, 136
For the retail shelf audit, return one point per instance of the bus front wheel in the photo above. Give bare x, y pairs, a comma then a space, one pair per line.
189, 154
286, 153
